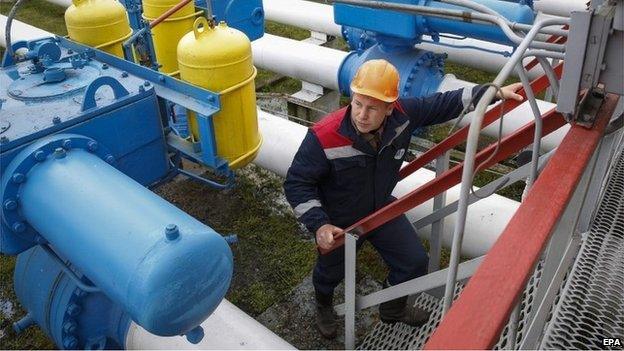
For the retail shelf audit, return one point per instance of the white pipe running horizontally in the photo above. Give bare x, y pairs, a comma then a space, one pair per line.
227, 328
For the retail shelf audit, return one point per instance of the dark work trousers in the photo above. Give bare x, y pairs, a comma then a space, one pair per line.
396, 242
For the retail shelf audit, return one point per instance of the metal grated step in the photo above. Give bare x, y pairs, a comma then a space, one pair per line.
403, 337
591, 306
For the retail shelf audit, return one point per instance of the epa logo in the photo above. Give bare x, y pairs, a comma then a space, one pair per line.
611, 342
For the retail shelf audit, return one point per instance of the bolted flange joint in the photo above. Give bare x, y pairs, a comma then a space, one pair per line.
16, 173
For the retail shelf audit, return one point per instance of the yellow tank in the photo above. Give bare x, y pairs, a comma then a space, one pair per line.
219, 59
102, 24
167, 34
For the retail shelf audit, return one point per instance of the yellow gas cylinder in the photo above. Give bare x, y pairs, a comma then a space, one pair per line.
219, 59
102, 24
167, 33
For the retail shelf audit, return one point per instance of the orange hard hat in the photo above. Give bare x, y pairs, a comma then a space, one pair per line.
378, 79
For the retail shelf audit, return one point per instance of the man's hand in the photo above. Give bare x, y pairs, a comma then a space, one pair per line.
509, 92
325, 235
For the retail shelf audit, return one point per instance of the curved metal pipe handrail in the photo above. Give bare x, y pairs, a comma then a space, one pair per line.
550, 73
537, 116
470, 153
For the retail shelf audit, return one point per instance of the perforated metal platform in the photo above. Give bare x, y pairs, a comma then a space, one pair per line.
403, 337
591, 306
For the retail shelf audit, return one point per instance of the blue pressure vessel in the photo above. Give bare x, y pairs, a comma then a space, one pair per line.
167, 270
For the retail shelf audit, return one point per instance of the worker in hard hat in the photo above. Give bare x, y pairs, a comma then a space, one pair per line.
346, 168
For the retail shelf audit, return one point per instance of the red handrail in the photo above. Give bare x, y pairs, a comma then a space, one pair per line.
508, 145
538, 85
477, 318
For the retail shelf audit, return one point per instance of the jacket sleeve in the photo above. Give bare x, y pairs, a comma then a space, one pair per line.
308, 168
441, 107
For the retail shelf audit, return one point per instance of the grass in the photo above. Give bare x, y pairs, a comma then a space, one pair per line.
273, 254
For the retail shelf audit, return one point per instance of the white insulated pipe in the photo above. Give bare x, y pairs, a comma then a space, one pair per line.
21, 31
559, 7
304, 61
486, 218
303, 14
227, 328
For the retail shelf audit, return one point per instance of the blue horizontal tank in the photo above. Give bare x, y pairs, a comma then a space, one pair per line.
167, 270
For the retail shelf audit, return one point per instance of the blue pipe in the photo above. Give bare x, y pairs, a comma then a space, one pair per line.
409, 28
514, 12
167, 270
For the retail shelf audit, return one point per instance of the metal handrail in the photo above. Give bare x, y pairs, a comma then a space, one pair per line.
509, 263
471, 150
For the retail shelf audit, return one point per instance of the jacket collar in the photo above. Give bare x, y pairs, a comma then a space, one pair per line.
395, 124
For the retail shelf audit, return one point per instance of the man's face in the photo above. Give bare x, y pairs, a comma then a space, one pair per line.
369, 113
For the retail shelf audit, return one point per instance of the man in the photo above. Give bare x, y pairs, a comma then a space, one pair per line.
347, 167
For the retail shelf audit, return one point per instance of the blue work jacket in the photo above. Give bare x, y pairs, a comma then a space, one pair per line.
337, 177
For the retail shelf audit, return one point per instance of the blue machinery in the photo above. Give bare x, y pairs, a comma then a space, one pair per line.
83, 136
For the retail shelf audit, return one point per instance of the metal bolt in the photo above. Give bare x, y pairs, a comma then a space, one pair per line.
172, 232
39, 156
146, 83
195, 335
211, 99
109, 159
18, 178
80, 293
73, 310
104, 66
161, 78
124, 74
141, 89
92, 146
19, 227
59, 152
39, 240
56, 120
70, 51
67, 144
70, 343
4, 139
10, 204
69, 327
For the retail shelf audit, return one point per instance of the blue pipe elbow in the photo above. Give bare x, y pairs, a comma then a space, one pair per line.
118, 233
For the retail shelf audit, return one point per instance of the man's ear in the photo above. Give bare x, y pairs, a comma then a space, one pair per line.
389, 109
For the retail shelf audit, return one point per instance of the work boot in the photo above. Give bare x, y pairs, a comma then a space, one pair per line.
397, 311
325, 316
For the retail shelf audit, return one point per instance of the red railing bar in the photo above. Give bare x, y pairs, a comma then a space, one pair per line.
477, 318
508, 145
538, 85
